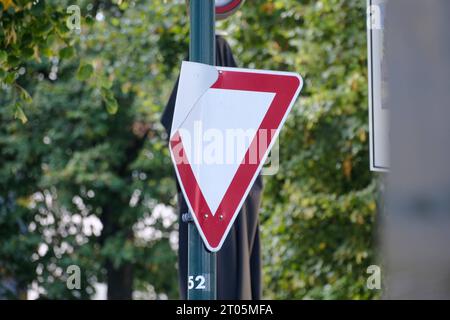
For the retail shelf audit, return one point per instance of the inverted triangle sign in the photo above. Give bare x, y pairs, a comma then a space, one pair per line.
225, 122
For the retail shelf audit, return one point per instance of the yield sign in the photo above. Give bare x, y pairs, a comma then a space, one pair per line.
224, 125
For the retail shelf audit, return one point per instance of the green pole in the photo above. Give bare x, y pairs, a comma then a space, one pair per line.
202, 263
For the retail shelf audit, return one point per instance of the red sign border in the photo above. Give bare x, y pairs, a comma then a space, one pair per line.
214, 228
228, 7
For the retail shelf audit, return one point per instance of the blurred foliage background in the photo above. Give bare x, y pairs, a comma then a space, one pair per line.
85, 176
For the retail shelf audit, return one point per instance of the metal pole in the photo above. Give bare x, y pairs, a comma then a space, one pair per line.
202, 263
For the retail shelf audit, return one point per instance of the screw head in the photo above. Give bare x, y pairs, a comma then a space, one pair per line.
221, 217
206, 215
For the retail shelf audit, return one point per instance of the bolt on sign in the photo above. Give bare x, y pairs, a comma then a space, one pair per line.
225, 122
378, 107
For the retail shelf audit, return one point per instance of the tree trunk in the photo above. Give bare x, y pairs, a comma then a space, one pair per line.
120, 281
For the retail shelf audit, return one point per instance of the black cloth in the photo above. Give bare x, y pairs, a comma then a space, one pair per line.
239, 260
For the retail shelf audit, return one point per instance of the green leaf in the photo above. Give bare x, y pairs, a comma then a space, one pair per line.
67, 53
105, 82
11, 76
27, 52
112, 106
89, 20
13, 61
19, 114
84, 72
44, 28
3, 56
106, 93
24, 95
110, 101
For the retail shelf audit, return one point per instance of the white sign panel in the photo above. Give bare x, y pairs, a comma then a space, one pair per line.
225, 122
378, 108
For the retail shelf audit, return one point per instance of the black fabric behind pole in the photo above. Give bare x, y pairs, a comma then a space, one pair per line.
239, 260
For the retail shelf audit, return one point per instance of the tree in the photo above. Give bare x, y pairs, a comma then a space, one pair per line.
88, 180
29, 30
318, 211
101, 194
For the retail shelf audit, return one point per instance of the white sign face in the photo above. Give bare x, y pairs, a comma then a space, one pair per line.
378, 108
225, 122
